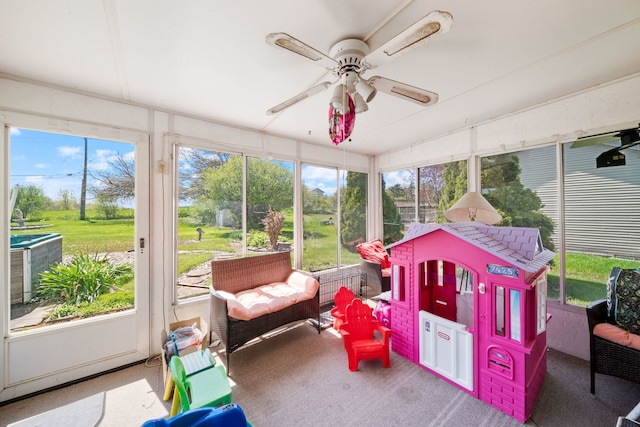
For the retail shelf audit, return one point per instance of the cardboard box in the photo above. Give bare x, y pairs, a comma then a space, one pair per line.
199, 323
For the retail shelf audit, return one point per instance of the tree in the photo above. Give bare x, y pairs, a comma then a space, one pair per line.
500, 177
193, 164
397, 191
117, 182
269, 184
66, 200
454, 175
393, 226
107, 204
315, 202
31, 200
353, 215
519, 206
431, 185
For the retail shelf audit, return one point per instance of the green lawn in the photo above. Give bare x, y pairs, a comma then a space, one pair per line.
88, 236
586, 275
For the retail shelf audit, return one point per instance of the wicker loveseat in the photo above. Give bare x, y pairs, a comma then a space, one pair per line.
253, 295
615, 348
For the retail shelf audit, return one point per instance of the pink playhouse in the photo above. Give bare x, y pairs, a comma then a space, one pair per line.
468, 303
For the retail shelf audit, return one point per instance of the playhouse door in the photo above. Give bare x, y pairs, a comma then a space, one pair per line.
444, 292
446, 347
499, 323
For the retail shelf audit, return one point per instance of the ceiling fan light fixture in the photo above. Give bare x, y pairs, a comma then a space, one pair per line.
337, 100
361, 105
367, 91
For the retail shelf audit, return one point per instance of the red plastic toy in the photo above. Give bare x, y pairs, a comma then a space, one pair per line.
359, 338
342, 298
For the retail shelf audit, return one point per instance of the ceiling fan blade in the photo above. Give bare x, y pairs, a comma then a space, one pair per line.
287, 42
596, 140
435, 22
627, 138
404, 91
299, 97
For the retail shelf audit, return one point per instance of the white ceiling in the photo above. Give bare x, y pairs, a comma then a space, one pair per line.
209, 58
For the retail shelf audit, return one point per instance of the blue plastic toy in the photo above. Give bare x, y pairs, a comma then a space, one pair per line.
230, 415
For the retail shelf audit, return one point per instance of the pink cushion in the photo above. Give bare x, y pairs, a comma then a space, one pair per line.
617, 335
252, 303
374, 251
303, 282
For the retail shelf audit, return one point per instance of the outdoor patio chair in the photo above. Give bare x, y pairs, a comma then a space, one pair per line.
615, 353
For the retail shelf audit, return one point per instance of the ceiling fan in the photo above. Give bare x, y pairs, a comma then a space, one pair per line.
349, 59
627, 138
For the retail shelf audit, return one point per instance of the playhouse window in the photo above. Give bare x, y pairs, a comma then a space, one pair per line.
541, 298
514, 305
508, 317
398, 282
500, 307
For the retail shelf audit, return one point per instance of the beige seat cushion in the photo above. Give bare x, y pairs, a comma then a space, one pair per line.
269, 298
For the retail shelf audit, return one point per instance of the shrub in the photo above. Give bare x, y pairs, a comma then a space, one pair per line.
257, 239
83, 279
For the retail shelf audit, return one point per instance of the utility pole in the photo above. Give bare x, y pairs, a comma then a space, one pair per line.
83, 190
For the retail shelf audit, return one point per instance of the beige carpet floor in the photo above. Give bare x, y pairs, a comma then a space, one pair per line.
300, 378
297, 377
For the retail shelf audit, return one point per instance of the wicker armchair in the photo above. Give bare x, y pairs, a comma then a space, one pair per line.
607, 357
376, 283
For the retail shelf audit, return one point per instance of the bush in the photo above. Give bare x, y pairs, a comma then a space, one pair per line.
257, 239
83, 279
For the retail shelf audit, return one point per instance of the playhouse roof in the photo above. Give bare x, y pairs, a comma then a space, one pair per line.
519, 246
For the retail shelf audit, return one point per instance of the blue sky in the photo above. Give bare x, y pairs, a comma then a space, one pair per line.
55, 161
397, 177
319, 177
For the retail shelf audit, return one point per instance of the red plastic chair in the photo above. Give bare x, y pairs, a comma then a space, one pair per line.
341, 299
359, 338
